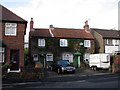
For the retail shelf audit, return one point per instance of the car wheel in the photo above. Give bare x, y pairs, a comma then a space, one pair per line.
58, 71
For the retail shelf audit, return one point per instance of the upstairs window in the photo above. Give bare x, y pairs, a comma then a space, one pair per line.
10, 29
87, 43
63, 43
41, 42
109, 42
116, 42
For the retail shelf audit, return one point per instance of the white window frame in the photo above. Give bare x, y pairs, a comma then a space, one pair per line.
10, 27
67, 56
87, 43
2, 50
63, 43
35, 57
47, 56
86, 56
41, 42
116, 41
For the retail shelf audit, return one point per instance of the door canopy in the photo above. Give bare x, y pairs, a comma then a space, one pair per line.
77, 54
42, 53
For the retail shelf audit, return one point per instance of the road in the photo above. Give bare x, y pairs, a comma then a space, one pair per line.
86, 81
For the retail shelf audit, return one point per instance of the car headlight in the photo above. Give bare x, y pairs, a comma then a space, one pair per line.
63, 68
74, 68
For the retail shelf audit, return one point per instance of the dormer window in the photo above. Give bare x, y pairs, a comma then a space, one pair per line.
10, 29
63, 43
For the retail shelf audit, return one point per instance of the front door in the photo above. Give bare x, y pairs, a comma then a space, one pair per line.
14, 59
42, 60
77, 61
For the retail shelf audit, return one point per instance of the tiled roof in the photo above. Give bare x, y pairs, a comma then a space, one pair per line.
9, 15
40, 33
62, 33
108, 33
71, 33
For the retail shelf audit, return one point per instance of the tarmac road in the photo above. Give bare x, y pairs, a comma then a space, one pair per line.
86, 81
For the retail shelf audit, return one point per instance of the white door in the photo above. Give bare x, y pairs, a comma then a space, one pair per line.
78, 61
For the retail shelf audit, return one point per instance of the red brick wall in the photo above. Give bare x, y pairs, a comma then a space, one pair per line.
14, 42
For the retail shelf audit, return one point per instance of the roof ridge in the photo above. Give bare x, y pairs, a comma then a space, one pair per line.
41, 28
68, 28
104, 29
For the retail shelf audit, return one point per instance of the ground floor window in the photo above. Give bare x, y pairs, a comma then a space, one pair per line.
35, 57
49, 57
67, 56
2, 54
86, 57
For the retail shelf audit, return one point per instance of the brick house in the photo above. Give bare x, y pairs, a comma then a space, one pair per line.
12, 31
47, 45
106, 41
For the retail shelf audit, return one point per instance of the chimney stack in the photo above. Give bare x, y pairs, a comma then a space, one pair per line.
31, 24
86, 26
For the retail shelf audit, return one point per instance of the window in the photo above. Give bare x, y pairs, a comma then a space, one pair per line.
86, 56
41, 42
2, 54
10, 29
87, 43
35, 57
49, 57
63, 43
68, 57
108, 42
116, 42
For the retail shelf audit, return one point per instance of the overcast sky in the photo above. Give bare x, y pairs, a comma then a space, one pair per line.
66, 13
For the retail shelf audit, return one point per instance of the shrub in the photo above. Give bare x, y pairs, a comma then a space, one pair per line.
6, 65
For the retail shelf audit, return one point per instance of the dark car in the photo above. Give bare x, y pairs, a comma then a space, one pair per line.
62, 66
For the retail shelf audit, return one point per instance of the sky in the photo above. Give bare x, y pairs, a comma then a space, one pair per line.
101, 14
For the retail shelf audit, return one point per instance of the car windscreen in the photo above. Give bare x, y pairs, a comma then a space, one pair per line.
63, 63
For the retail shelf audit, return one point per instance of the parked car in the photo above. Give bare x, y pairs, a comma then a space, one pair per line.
62, 66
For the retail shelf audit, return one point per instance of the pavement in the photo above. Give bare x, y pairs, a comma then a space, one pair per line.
83, 78
51, 76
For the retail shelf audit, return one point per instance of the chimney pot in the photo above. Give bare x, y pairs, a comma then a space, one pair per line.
51, 26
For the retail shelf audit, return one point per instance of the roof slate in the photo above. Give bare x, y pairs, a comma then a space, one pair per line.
115, 34
62, 33
40, 33
9, 15
71, 33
